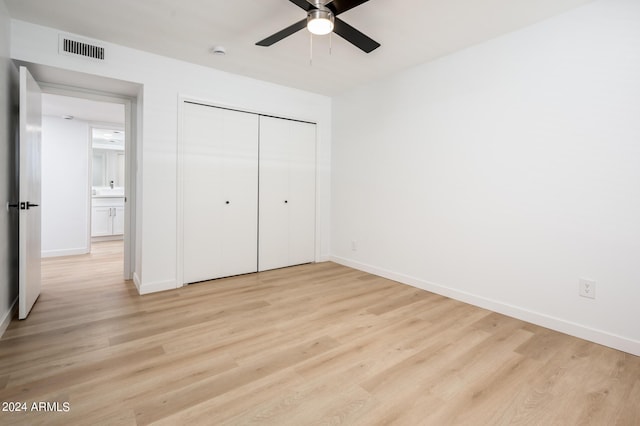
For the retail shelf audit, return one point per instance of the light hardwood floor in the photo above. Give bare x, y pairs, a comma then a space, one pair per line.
308, 345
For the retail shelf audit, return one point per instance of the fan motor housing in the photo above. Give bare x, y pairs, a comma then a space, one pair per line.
323, 13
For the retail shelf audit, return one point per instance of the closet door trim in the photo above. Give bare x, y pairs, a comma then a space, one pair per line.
247, 111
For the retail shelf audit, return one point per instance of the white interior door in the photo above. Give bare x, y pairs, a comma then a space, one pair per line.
30, 183
220, 192
287, 193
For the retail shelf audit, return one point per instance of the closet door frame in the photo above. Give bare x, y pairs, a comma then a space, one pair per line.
180, 168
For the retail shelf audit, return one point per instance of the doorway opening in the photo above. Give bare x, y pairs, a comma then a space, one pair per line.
85, 179
29, 84
108, 179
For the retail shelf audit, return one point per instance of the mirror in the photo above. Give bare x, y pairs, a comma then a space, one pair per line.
99, 168
108, 160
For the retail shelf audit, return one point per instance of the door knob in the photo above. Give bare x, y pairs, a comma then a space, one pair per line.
226, 202
31, 205
285, 201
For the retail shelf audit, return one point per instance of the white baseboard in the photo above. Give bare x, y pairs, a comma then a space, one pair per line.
107, 238
8, 316
136, 281
153, 287
65, 252
558, 324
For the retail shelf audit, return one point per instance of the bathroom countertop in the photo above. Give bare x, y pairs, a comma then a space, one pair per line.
108, 196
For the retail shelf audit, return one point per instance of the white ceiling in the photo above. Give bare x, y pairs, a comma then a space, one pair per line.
410, 31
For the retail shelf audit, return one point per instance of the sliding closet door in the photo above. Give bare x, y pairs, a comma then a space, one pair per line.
287, 193
220, 154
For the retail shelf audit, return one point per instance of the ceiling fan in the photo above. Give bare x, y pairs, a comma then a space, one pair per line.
322, 18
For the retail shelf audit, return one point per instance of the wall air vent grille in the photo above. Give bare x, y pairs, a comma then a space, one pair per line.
78, 47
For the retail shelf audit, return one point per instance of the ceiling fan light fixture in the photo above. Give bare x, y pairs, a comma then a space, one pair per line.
320, 21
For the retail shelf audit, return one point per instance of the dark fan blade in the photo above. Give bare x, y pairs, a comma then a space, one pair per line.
341, 6
282, 34
304, 4
354, 36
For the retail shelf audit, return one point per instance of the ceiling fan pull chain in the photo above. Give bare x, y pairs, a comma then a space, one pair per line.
330, 42
310, 49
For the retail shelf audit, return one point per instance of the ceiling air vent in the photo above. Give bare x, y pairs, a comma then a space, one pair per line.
78, 47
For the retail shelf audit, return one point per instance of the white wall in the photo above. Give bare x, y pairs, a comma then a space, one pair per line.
8, 283
164, 81
502, 174
65, 187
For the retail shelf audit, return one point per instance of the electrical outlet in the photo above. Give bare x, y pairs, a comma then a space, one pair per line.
587, 288
354, 246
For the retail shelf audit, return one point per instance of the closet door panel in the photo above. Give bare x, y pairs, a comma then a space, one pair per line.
240, 218
274, 193
202, 214
220, 192
302, 185
240, 229
287, 193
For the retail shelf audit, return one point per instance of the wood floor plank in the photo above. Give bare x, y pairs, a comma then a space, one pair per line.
235, 402
182, 398
141, 384
312, 344
87, 372
336, 398
629, 414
